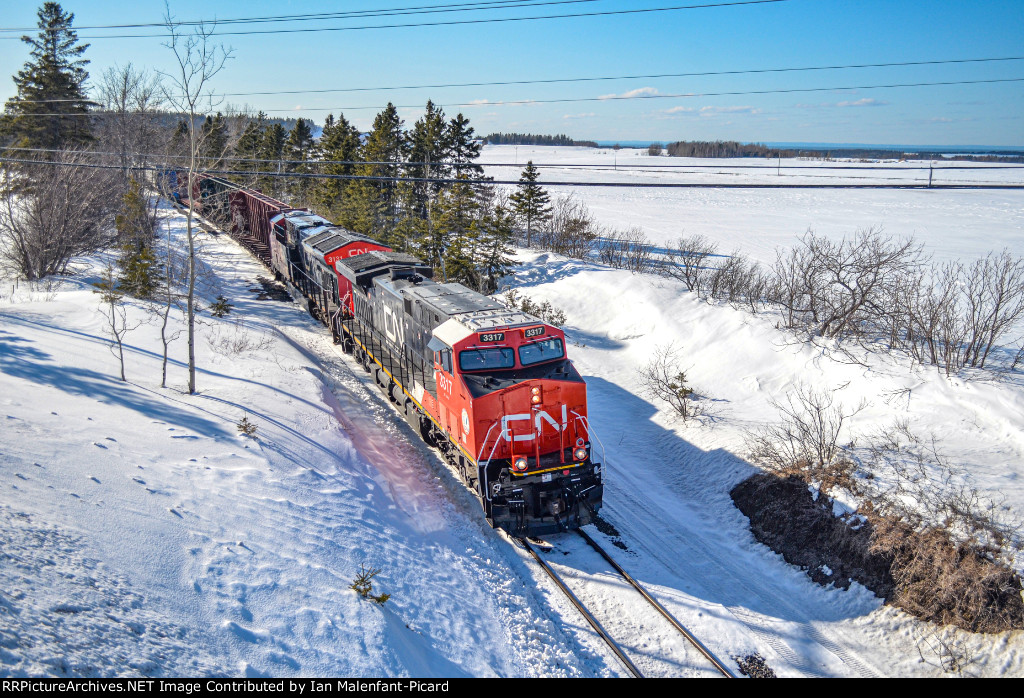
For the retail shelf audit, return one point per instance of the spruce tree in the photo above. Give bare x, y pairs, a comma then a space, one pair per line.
455, 233
530, 202
50, 108
463, 147
297, 150
214, 138
428, 144
374, 207
339, 142
495, 250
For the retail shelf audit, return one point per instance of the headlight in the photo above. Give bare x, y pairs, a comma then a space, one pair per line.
519, 464
580, 454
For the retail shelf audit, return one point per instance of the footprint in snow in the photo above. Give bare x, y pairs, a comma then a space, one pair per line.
141, 482
111, 438
99, 446
21, 476
94, 479
176, 513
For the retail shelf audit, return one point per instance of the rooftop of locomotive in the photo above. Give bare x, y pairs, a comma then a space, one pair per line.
487, 320
331, 239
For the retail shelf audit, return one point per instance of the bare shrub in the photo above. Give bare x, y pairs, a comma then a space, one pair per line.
664, 378
805, 442
115, 312
51, 211
690, 261
655, 149
572, 230
238, 341
738, 281
628, 250
842, 289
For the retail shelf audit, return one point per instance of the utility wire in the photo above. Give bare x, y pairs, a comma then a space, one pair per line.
548, 81
607, 98
569, 166
606, 13
319, 16
491, 182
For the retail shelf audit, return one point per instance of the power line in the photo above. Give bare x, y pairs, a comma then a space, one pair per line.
568, 166
607, 98
319, 16
751, 71
492, 182
575, 15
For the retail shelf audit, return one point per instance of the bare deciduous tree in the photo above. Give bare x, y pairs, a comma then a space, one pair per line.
629, 250
198, 61
664, 378
51, 211
572, 230
128, 127
115, 312
690, 262
806, 440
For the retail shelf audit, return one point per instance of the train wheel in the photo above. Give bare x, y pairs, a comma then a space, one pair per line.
427, 432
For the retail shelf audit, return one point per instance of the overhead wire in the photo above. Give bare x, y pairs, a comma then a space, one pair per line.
454, 22
908, 184
320, 16
605, 98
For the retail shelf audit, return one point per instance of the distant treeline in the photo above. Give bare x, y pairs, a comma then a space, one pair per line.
725, 149
733, 149
534, 139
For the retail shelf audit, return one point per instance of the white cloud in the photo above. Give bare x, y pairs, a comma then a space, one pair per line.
866, 102
588, 115
639, 92
711, 111
679, 110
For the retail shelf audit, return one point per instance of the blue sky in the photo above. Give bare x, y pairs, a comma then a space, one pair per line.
791, 33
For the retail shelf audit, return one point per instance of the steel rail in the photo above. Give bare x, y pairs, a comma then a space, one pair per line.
657, 605
583, 609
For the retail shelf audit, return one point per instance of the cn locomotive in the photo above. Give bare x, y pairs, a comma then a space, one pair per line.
490, 387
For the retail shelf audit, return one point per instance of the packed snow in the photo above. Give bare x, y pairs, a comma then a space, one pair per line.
143, 535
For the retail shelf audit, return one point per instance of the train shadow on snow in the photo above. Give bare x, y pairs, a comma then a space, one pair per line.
685, 490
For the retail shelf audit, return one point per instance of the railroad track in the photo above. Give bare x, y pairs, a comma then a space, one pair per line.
639, 588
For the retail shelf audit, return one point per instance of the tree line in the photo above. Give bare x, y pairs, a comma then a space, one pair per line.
534, 139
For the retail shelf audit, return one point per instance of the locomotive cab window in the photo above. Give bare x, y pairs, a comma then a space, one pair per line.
541, 351
486, 358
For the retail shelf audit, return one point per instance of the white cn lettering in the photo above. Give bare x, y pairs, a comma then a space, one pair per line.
506, 433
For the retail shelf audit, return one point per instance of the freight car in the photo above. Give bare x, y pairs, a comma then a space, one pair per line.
492, 388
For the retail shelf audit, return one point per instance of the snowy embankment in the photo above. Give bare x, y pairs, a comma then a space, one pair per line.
142, 535
147, 537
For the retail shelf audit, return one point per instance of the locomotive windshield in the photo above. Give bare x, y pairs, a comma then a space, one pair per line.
486, 358
541, 351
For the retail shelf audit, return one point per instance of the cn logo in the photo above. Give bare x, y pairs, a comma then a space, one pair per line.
540, 417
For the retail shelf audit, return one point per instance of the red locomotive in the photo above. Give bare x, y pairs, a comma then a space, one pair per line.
491, 388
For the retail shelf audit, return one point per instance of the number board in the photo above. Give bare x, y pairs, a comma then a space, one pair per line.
533, 332
492, 337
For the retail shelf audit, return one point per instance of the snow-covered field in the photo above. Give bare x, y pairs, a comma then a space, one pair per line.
953, 224
143, 535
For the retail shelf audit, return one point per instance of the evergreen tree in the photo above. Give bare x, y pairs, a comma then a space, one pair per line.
339, 142
463, 148
49, 110
298, 148
374, 207
214, 137
455, 233
249, 144
532, 205
494, 256
428, 143
272, 149
139, 274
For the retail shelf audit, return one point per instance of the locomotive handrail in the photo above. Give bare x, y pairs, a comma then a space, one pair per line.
487, 482
591, 433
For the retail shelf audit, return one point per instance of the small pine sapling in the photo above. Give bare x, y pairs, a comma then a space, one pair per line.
246, 427
220, 307
364, 587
